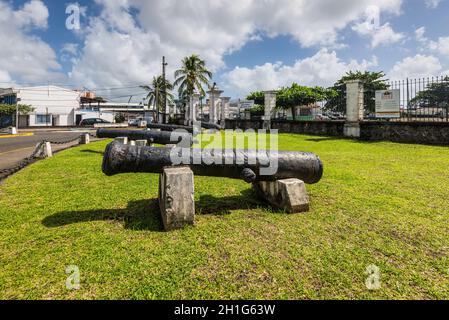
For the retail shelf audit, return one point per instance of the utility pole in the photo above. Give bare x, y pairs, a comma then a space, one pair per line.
127, 107
164, 116
17, 112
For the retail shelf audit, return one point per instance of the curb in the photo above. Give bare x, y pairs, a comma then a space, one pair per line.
29, 134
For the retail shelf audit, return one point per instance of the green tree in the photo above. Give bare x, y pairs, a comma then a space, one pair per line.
435, 95
156, 91
10, 109
192, 76
294, 96
257, 96
372, 81
297, 95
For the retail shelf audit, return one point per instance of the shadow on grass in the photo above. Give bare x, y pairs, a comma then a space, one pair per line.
210, 205
145, 214
323, 139
139, 215
93, 151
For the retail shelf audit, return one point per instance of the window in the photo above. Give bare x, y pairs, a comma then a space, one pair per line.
43, 119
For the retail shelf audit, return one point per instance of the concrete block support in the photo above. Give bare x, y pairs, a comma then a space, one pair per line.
290, 194
141, 143
354, 108
176, 198
12, 130
45, 150
123, 140
85, 138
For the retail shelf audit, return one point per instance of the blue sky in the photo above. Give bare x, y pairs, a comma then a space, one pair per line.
249, 44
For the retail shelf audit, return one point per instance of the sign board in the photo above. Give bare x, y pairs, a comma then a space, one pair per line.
388, 103
246, 104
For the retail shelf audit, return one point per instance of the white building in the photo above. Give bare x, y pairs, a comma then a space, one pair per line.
53, 106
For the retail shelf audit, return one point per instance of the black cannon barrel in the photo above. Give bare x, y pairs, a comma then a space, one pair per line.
162, 137
169, 127
236, 164
208, 125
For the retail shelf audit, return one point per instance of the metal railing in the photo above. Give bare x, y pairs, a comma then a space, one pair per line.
423, 99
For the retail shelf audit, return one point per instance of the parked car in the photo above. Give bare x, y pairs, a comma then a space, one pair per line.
92, 121
134, 122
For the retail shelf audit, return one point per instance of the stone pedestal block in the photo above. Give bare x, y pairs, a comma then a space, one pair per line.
85, 139
123, 140
13, 130
176, 198
290, 194
132, 143
141, 143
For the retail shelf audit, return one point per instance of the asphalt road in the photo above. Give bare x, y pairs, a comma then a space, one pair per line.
14, 149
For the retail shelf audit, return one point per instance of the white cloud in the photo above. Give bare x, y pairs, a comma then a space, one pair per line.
5, 78
441, 46
122, 47
433, 4
420, 34
33, 13
324, 68
416, 67
382, 35
26, 57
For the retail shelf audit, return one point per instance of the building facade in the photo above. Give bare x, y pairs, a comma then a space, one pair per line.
53, 105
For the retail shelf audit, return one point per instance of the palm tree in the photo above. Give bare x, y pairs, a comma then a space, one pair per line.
156, 91
192, 76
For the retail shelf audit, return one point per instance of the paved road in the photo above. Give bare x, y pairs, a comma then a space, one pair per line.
14, 149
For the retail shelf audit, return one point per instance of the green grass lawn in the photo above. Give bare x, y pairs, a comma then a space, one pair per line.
382, 204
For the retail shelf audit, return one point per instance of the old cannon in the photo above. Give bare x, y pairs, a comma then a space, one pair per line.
251, 166
162, 137
170, 127
277, 177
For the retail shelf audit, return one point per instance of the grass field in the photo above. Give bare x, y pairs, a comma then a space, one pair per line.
381, 204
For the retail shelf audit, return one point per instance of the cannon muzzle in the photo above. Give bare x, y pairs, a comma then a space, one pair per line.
251, 166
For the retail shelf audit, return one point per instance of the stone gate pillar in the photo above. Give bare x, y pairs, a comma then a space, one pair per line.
354, 108
214, 100
224, 110
270, 105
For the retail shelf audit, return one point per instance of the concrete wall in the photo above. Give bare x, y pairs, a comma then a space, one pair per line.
436, 133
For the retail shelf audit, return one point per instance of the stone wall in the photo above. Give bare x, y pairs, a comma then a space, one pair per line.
434, 133
406, 132
327, 128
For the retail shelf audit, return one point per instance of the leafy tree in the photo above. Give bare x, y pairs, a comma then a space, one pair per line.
435, 95
192, 76
294, 96
257, 96
119, 118
257, 110
10, 109
156, 91
372, 81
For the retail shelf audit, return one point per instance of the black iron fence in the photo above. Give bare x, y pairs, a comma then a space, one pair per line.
423, 99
